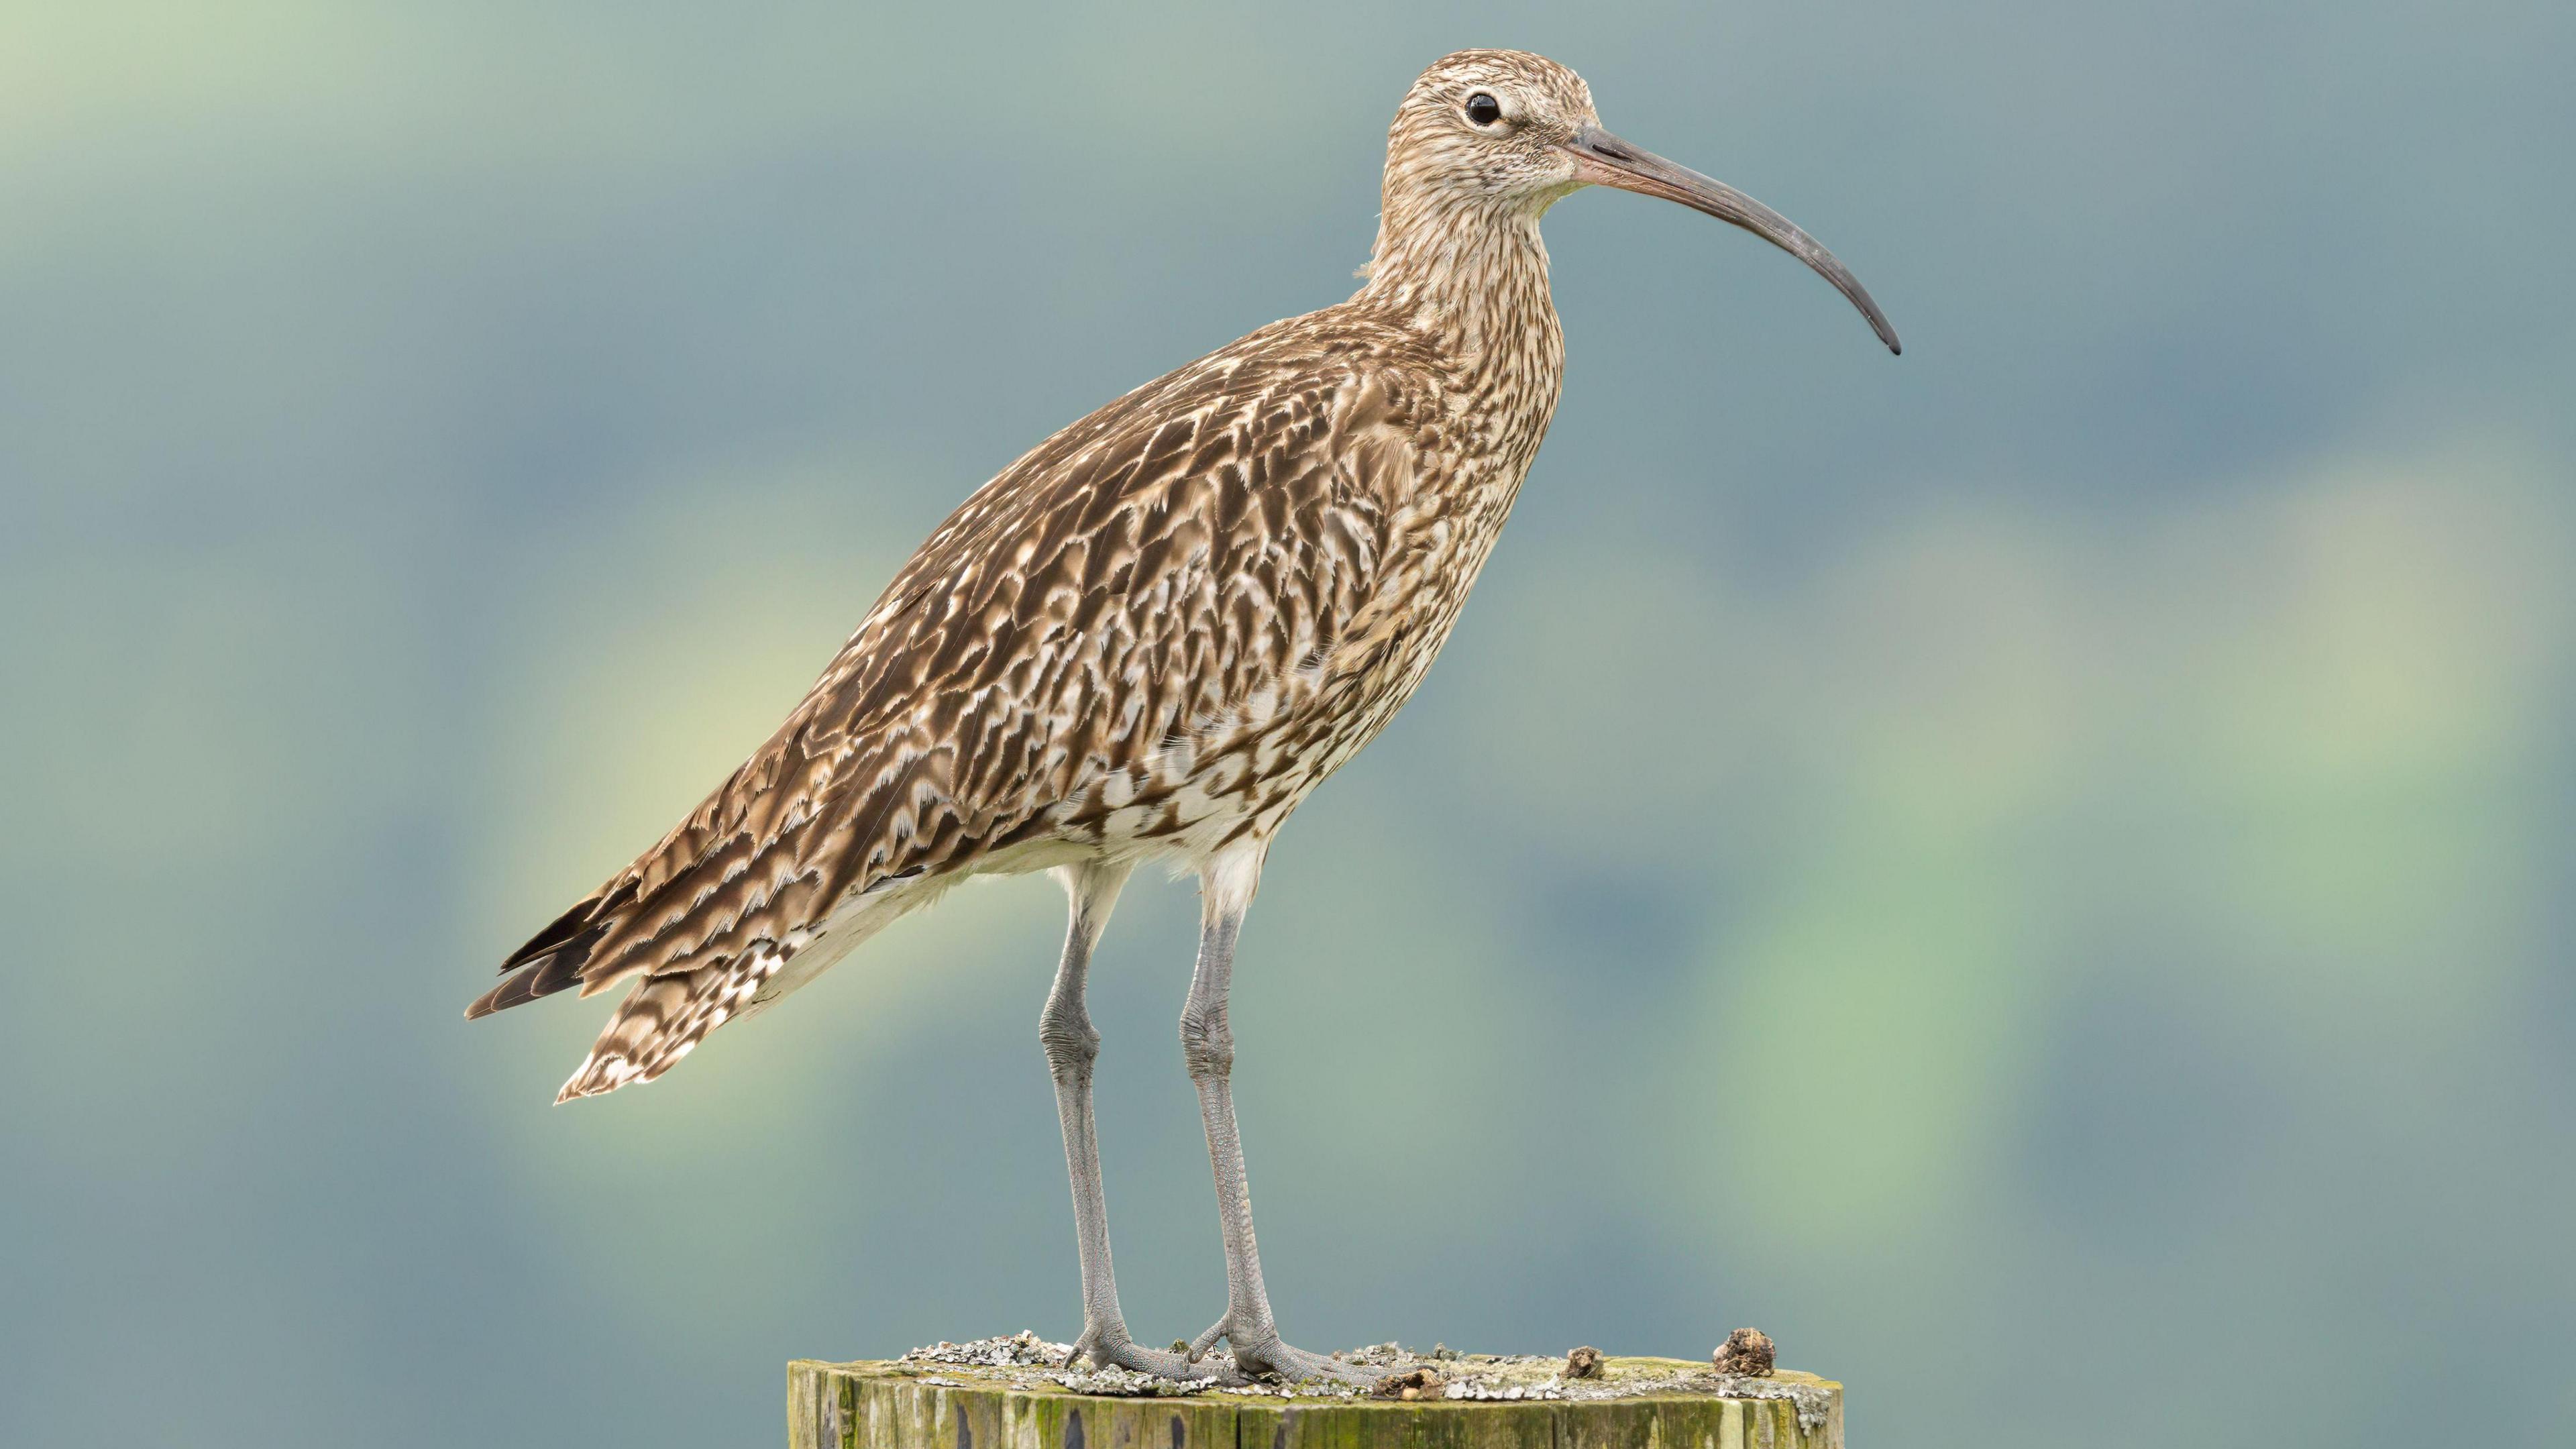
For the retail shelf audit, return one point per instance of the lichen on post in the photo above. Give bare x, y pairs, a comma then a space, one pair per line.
1020, 1398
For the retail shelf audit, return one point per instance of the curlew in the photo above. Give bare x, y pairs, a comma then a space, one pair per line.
1149, 639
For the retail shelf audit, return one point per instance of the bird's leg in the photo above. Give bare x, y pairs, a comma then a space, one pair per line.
1072, 1045
1207, 1045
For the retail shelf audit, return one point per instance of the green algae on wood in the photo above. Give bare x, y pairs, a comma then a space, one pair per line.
902, 1405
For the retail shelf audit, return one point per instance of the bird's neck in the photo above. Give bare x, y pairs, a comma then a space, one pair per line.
1474, 277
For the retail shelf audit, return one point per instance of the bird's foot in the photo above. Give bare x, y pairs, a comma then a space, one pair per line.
1259, 1352
1108, 1344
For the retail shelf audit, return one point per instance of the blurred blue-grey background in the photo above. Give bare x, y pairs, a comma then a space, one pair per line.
2049, 858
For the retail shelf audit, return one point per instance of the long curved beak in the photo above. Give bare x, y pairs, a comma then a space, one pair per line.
1602, 159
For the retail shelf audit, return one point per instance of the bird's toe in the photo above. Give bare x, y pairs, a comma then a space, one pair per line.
1105, 1347
1268, 1356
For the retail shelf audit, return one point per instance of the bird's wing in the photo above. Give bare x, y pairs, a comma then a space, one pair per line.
1146, 573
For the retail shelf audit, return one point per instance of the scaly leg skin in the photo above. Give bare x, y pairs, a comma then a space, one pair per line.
1207, 1045
1072, 1045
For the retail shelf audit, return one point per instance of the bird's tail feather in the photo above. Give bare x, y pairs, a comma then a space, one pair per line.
542, 977
665, 1017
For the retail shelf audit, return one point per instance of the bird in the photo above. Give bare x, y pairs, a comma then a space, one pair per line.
1148, 640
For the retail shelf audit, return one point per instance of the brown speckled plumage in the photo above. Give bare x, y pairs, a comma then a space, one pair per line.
1152, 635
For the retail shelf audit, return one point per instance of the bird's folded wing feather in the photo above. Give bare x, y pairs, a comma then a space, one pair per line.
1148, 576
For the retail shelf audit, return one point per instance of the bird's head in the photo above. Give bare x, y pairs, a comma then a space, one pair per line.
1489, 137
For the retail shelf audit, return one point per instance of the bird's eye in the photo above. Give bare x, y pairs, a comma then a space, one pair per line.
1483, 109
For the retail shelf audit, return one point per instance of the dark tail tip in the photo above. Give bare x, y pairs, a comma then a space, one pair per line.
542, 977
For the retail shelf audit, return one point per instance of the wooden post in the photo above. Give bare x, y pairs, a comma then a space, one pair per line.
1637, 1403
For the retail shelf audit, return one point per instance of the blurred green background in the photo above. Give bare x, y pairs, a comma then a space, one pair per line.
2046, 858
